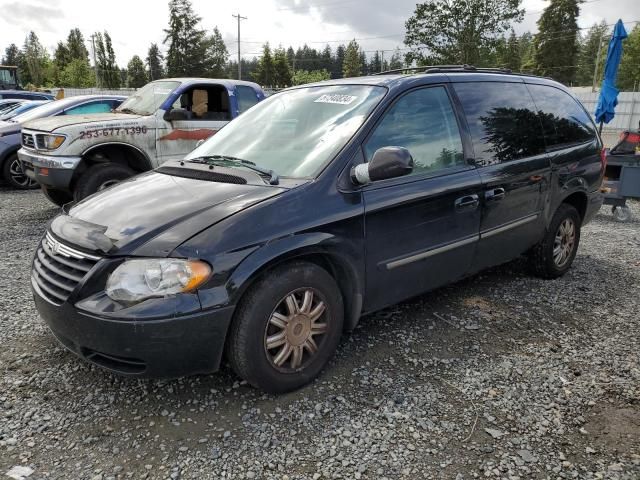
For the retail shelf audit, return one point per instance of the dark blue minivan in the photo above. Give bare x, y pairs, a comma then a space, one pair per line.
320, 204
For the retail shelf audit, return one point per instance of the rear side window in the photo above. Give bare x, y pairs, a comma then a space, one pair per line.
423, 122
503, 122
564, 121
246, 96
98, 107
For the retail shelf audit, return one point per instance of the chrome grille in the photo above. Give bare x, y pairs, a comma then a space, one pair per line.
28, 140
57, 269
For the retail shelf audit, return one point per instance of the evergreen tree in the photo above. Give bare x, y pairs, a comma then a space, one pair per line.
61, 56
281, 69
338, 62
510, 54
629, 73
108, 71
136, 73
187, 41
154, 62
264, 74
375, 65
11, 55
35, 60
596, 38
291, 55
396, 60
352, 66
458, 32
525, 47
556, 43
76, 47
216, 55
326, 58
364, 67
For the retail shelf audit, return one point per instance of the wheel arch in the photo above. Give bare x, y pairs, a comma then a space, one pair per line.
318, 248
131, 155
7, 153
579, 200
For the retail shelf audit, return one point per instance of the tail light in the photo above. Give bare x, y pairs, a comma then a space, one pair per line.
603, 159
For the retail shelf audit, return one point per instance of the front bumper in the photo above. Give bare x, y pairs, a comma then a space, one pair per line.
168, 347
49, 170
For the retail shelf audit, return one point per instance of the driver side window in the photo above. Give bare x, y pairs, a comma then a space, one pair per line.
204, 103
422, 121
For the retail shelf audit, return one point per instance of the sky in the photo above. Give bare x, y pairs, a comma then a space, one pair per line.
133, 25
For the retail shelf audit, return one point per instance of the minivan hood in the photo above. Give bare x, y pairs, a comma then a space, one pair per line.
153, 213
49, 124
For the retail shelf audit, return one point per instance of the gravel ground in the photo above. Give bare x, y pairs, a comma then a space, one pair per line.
501, 376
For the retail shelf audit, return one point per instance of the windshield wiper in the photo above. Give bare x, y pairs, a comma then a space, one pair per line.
226, 160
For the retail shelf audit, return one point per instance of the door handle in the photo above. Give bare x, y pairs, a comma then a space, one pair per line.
494, 195
467, 202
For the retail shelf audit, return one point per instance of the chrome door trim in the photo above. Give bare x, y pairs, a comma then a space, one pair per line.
428, 253
508, 226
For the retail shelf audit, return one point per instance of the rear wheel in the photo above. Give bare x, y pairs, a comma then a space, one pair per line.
99, 177
12, 174
57, 197
287, 327
553, 256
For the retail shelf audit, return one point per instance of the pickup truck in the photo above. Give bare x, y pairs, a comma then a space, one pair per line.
75, 156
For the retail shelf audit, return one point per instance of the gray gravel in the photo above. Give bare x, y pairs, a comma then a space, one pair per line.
498, 376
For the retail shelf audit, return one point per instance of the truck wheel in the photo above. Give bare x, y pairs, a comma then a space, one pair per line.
553, 256
99, 177
57, 197
286, 328
12, 174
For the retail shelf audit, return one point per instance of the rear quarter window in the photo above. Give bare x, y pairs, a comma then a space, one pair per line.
246, 96
502, 119
564, 120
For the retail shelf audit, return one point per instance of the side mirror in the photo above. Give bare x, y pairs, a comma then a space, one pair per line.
175, 114
387, 162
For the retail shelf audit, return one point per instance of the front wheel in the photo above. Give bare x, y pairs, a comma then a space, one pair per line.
100, 177
12, 174
553, 256
286, 328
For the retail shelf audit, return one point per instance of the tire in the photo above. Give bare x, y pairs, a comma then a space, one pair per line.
13, 176
100, 176
259, 317
553, 256
57, 197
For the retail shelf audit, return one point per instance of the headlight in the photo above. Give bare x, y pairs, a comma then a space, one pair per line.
50, 142
139, 279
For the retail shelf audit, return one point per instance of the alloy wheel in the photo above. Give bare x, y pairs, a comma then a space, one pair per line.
18, 176
296, 329
564, 242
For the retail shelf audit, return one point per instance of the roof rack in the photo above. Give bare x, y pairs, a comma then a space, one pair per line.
445, 68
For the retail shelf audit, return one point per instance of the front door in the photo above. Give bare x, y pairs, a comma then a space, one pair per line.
205, 110
421, 229
510, 154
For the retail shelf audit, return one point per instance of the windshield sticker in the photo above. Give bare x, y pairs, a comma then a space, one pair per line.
337, 99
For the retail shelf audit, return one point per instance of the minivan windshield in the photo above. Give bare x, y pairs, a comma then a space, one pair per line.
148, 99
297, 132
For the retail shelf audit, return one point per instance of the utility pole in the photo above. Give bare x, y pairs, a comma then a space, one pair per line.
595, 69
95, 65
239, 17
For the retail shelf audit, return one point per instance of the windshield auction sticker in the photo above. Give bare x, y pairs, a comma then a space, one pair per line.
338, 99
